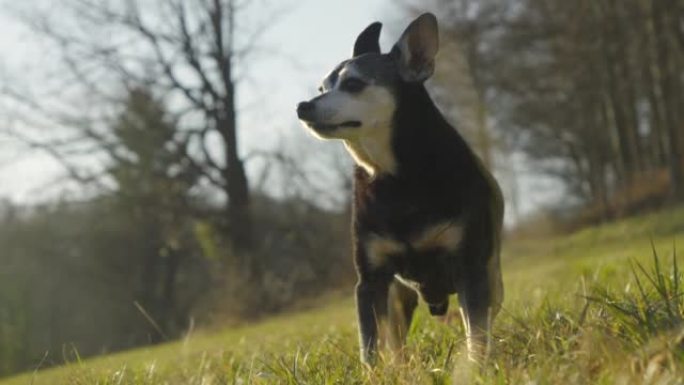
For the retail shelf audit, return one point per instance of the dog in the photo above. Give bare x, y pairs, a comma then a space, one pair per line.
427, 215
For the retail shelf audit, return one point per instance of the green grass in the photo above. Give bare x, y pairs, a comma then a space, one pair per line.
595, 307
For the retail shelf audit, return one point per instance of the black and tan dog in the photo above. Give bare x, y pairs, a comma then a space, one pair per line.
427, 214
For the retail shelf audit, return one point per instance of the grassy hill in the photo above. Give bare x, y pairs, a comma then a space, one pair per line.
591, 307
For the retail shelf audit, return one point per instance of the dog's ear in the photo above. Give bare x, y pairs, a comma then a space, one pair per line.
368, 40
416, 49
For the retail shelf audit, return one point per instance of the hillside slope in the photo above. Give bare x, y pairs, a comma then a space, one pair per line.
574, 313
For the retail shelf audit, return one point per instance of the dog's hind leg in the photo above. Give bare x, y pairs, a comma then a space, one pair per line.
482, 294
479, 305
402, 301
477, 324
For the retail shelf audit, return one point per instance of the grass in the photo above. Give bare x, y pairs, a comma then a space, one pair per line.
601, 306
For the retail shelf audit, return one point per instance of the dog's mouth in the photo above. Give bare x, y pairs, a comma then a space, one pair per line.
329, 127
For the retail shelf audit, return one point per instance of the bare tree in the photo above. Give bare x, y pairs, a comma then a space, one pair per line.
192, 52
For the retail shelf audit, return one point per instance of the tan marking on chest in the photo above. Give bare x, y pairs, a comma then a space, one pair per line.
444, 235
378, 249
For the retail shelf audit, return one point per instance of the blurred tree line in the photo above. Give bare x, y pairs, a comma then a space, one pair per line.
172, 232
140, 263
591, 91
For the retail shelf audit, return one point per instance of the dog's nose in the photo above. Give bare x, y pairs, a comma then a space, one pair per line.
305, 109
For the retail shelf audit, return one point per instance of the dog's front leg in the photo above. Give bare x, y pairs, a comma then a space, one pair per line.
371, 304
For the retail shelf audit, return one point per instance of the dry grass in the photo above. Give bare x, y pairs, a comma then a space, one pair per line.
602, 306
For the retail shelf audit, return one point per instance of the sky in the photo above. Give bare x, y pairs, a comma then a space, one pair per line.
299, 49
305, 42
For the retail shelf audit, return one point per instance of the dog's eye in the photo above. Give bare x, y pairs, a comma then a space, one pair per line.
352, 85
320, 89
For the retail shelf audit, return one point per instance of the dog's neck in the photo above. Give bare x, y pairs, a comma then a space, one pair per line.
416, 143
426, 146
374, 153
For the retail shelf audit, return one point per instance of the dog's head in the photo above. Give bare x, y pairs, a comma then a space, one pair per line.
358, 97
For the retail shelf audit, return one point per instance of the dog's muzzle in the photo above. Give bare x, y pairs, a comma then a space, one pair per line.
306, 112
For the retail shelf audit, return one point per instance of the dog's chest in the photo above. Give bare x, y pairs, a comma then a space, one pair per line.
404, 251
402, 208
406, 227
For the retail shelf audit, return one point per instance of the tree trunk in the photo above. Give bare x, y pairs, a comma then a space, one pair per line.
622, 38
236, 184
168, 312
610, 48
648, 62
239, 218
240, 226
670, 83
237, 187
